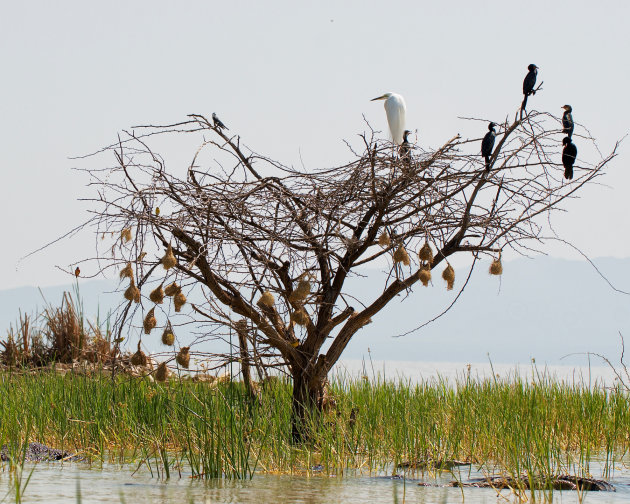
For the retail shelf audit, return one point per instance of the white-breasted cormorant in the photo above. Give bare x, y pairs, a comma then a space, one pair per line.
569, 154
487, 144
217, 122
395, 109
528, 84
404, 151
567, 121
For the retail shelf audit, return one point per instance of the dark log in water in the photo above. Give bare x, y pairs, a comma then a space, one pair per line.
37, 452
565, 482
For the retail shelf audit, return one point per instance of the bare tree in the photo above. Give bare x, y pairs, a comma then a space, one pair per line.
274, 246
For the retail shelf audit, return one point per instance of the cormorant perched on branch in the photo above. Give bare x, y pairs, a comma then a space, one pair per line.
487, 144
528, 84
217, 122
567, 121
404, 151
569, 153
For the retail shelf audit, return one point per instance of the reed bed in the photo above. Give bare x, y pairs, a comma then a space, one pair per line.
512, 426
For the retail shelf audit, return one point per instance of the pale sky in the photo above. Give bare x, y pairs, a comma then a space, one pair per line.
293, 79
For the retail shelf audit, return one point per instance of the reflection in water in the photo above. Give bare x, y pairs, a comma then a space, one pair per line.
52, 483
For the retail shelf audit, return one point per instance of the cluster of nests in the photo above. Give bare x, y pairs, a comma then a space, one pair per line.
425, 254
150, 322
297, 298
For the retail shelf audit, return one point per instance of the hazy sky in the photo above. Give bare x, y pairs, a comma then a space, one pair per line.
293, 79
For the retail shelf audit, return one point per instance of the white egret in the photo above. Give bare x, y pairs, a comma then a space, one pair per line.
395, 109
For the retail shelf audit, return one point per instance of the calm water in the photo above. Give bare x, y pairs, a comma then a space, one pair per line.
53, 483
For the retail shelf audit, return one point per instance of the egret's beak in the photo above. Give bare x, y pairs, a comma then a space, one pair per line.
379, 98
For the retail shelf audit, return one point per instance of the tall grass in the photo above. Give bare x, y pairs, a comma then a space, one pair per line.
514, 426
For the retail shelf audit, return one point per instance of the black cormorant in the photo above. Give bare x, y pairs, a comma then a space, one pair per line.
404, 151
487, 144
567, 121
217, 122
569, 153
528, 84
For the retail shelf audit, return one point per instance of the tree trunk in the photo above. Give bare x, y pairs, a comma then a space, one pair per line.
306, 402
241, 331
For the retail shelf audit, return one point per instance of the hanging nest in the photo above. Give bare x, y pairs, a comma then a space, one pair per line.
401, 256
496, 268
169, 260
424, 275
301, 292
426, 254
172, 289
168, 337
125, 235
179, 300
132, 293
162, 372
183, 357
149, 321
266, 299
384, 240
139, 358
127, 271
157, 295
241, 326
449, 276
300, 317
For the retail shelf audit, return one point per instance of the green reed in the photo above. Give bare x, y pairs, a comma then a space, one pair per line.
514, 426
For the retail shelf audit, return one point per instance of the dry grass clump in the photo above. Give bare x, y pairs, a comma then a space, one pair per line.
127, 271
157, 295
496, 268
300, 317
183, 357
172, 289
169, 260
179, 300
426, 254
401, 256
149, 321
266, 299
132, 293
449, 276
383, 240
424, 275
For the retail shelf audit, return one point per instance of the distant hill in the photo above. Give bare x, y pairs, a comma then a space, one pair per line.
543, 308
